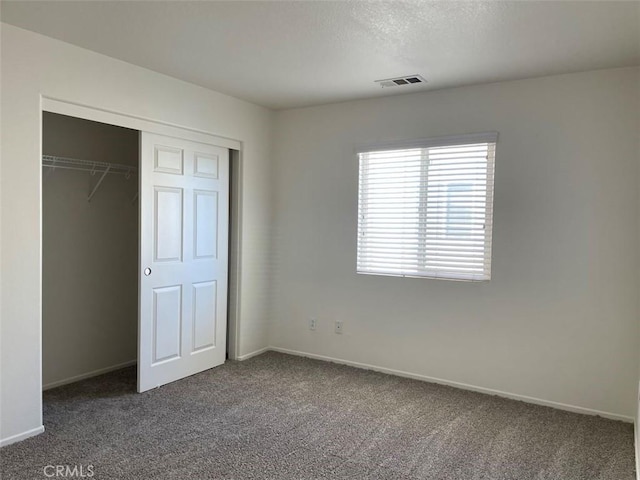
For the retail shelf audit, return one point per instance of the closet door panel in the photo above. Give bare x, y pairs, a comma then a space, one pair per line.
168, 215
204, 315
184, 216
167, 323
206, 165
168, 160
205, 223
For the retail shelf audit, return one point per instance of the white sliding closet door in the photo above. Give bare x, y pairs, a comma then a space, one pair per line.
184, 217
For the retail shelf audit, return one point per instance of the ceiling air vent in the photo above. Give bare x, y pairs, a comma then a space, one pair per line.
400, 81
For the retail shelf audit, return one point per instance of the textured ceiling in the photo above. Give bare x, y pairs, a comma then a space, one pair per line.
290, 54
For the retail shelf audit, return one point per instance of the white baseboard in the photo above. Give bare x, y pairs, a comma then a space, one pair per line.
21, 436
464, 386
93, 373
253, 354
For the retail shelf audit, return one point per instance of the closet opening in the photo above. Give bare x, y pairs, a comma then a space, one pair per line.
90, 249
141, 233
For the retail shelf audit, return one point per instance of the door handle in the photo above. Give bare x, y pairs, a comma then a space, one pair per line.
147, 271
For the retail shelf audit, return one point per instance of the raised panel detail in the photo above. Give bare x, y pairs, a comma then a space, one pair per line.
206, 165
168, 224
205, 224
204, 315
167, 323
168, 160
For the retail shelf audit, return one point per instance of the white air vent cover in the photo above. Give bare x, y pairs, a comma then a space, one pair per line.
401, 81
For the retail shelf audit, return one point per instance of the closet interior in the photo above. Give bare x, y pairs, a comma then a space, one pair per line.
90, 248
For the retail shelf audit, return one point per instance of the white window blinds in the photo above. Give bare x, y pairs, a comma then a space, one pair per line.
425, 208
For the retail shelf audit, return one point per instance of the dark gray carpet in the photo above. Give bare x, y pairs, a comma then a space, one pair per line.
282, 417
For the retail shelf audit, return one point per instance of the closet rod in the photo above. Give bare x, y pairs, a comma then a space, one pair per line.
92, 167
103, 168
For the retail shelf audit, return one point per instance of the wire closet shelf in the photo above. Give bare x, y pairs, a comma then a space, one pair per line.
102, 168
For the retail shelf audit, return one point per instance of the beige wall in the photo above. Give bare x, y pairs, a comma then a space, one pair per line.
35, 66
559, 319
89, 252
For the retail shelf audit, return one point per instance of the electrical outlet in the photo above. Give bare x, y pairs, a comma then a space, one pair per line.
313, 323
339, 326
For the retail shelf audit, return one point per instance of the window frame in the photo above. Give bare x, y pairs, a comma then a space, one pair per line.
422, 271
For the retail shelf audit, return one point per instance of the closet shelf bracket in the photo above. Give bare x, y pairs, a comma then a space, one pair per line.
95, 189
52, 168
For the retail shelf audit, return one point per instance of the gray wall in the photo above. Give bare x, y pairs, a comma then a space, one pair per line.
90, 251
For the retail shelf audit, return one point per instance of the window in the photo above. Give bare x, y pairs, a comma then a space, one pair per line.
425, 208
